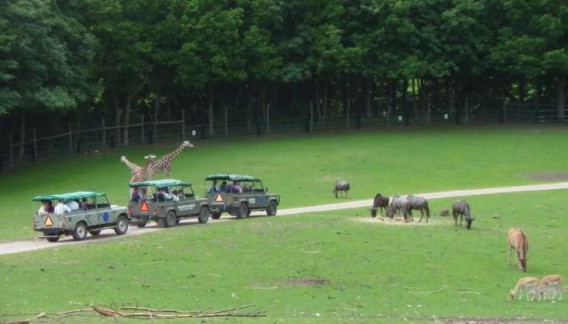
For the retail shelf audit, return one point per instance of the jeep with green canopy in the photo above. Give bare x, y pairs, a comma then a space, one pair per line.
238, 195
166, 202
76, 214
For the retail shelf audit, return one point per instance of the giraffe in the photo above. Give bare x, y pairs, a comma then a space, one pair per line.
165, 163
138, 173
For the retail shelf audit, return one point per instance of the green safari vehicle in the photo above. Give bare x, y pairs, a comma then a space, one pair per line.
80, 213
238, 195
167, 202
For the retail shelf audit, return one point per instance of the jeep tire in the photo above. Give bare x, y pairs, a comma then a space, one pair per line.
121, 225
272, 208
215, 215
243, 211
141, 225
53, 239
95, 232
170, 220
80, 231
204, 215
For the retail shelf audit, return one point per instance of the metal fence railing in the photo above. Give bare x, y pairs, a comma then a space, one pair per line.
94, 141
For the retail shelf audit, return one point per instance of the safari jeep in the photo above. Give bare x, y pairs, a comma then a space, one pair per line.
238, 195
95, 214
165, 211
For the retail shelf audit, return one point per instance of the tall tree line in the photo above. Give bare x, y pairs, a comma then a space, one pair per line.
223, 61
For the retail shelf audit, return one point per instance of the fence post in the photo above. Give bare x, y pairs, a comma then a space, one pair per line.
142, 128
104, 134
70, 139
183, 125
34, 158
11, 150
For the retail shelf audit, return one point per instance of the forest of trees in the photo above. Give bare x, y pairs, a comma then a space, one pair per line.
223, 61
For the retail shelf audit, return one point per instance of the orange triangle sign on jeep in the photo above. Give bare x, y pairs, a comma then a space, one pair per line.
144, 207
219, 198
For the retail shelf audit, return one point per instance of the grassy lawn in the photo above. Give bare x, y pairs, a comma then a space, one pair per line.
303, 168
335, 266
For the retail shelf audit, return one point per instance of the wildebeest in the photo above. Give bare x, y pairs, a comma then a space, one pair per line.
396, 205
518, 241
461, 209
341, 186
381, 202
418, 203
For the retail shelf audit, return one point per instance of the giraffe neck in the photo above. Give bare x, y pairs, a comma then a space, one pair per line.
131, 165
167, 159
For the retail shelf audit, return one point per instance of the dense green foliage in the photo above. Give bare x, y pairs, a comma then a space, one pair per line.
303, 169
248, 60
362, 271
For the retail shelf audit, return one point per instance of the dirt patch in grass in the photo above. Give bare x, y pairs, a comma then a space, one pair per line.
399, 222
292, 282
304, 282
549, 176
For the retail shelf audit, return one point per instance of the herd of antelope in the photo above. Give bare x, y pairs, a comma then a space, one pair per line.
548, 287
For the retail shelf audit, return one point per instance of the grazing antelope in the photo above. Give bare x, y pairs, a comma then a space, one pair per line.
550, 286
518, 241
527, 285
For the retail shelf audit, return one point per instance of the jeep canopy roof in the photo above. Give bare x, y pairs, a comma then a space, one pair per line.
70, 196
231, 177
163, 183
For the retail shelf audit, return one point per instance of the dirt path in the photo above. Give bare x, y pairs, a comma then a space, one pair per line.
25, 246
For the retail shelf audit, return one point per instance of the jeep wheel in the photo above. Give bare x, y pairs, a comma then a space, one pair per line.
243, 211
121, 225
95, 232
141, 225
204, 215
80, 231
171, 219
272, 208
215, 215
53, 239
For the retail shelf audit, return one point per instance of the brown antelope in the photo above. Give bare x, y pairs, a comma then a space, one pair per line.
527, 285
550, 286
518, 241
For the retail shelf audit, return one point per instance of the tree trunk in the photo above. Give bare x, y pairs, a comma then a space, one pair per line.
325, 101
311, 116
452, 93
156, 112
466, 106
127, 119
368, 98
118, 117
348, 106
226, 112
403, 95
522, 86
317, 98
268, 118
561, 97
22, 138
414, 99
211, 112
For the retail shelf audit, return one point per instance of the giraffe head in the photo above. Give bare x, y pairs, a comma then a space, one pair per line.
150, 158
186, 143
123, 158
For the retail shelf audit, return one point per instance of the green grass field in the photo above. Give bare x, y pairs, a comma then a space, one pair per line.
363, 270
303, 168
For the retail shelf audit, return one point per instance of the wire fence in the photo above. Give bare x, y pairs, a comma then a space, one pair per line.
97, 140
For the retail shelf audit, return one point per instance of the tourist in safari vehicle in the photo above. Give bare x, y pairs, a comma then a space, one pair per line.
76, 214
168, 201
238, 195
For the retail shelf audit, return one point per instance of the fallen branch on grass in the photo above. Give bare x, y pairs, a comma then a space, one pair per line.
430, 291
149, 313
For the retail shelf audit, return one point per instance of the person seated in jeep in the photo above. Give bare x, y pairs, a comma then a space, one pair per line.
213, 187
135, 195
234, 188
167, 194
175, 195
46, 208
